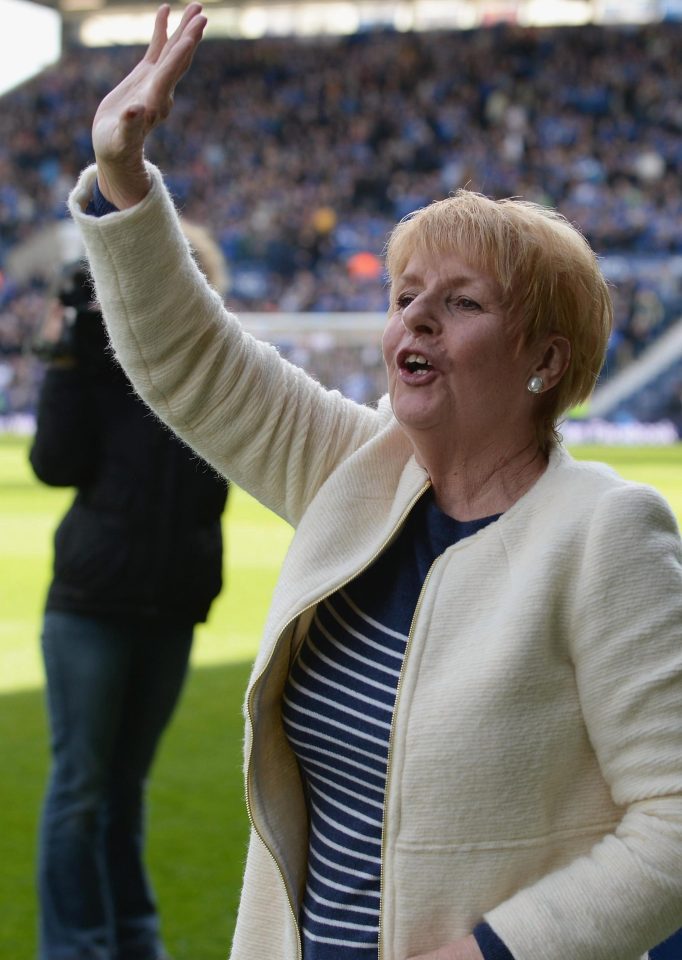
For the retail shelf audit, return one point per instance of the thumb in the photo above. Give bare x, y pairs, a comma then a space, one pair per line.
134, 119
134, 125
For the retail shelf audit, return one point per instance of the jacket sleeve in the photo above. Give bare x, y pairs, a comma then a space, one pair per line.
626, 895
257, 419
64, 449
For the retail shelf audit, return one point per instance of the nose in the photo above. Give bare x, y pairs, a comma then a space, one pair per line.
419, 317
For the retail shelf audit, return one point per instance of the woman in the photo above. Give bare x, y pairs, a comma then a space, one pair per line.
138, 562
463, 733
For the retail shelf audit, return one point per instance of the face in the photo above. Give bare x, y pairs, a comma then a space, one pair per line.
455, 370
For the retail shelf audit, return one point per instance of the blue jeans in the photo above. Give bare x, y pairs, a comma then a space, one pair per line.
111, 690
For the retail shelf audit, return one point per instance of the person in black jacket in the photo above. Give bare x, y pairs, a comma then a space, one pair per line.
137, 564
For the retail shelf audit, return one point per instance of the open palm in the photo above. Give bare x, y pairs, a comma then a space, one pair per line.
144, 98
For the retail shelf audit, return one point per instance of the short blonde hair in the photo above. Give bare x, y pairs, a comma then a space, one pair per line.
548, 275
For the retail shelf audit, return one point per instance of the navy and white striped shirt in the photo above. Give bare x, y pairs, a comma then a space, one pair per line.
337, 711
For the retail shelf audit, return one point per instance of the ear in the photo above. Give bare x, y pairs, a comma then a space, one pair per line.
553, 360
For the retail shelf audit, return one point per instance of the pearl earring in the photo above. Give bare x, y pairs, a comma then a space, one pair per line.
536, 384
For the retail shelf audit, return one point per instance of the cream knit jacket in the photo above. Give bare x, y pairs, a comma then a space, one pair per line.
535, 774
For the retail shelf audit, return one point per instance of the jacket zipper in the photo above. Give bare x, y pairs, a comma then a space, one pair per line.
389, 755
249, 702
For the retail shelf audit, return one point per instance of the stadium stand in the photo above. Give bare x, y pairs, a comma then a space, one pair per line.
300, 154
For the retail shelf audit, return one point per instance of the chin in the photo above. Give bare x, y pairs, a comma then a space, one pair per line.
410, 417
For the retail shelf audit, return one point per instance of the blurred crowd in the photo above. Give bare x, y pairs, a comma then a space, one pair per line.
301, 154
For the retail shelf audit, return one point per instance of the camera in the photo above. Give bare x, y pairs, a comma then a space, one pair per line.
73, 321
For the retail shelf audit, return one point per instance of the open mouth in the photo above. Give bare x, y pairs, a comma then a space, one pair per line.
416, 363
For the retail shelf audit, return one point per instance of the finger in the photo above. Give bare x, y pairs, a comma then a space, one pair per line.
160, 34
175, 63
187, 23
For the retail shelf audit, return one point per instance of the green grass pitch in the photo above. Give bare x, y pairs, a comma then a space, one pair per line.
197, 823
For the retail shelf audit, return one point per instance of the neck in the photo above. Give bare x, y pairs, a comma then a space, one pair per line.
469, 487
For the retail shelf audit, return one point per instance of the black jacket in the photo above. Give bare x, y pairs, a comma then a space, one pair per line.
143, 535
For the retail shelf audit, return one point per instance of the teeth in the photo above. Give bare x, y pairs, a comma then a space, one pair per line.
417, 363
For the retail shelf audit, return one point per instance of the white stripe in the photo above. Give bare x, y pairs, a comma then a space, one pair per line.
335, 723
341, 743
339, 886
347, 870
312, 762
339, 943
338, 706
347, 830
346, 851
313, 775
374, 623
339, 923
341, 688
306, 744
351, 673
363, 638
372, 911
353, 653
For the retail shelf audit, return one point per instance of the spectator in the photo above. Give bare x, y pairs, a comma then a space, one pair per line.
138, 562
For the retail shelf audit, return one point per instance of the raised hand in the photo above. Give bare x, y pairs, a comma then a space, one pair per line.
143, 99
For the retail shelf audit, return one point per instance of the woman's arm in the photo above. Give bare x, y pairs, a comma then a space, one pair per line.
625, 896
259, 420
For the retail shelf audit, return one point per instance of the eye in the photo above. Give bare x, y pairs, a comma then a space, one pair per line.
465, 303
404, 300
